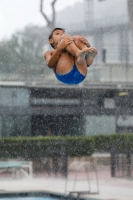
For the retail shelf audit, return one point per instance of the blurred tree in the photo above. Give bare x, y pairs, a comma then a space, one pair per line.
24, 47
130, 13
27, 45
50, 23
23, 53
5, 53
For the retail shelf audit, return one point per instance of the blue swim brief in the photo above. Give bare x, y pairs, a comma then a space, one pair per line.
72, 77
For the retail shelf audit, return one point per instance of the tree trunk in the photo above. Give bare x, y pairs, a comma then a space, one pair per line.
50, 23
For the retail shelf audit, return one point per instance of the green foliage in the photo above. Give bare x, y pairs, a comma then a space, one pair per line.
22, 56
25, 47
37, 147
33, 148
120, 142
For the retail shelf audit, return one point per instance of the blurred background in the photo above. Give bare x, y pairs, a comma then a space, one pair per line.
33, 101
35, 106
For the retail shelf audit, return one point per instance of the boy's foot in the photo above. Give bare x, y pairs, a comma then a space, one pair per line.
81, 56
90, 55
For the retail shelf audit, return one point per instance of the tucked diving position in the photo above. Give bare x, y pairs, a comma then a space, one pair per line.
71, 56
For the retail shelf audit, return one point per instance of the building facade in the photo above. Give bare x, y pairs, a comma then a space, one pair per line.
89, 110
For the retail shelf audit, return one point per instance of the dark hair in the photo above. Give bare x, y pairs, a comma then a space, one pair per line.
51, 34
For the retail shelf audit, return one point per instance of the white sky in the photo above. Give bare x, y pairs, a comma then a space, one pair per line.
16, 14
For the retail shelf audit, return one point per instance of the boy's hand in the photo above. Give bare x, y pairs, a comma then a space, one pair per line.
84, 40
64, 43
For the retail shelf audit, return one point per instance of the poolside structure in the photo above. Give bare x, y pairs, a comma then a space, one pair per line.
86, 166
17, 168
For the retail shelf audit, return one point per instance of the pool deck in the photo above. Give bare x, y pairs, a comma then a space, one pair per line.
110, 188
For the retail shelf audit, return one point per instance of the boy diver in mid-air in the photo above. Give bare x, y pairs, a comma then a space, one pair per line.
71, 56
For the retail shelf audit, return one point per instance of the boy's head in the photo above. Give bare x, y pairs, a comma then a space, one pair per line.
55, 36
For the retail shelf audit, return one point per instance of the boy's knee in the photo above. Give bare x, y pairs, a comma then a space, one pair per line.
76, 37
65, 36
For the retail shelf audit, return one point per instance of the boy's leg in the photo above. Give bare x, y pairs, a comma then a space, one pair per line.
74, 50
91, 53
80, 44
81, 66
67, 60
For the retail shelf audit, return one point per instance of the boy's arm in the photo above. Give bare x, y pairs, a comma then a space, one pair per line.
52, 57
